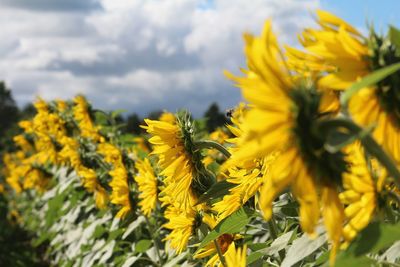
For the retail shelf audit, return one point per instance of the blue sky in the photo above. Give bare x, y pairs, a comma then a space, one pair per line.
357, 12
142, 55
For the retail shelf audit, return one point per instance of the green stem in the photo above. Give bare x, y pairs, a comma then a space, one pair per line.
205, 229
368, 142
220, 255
211, 144
273, 230
155, 239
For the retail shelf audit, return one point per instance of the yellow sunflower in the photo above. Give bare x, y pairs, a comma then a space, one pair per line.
85, 123
360, 193
92, 185
147, 186
341, 56
224, 242
173, 159
236, 257
284, 117
119, 183
181, 221
337, 49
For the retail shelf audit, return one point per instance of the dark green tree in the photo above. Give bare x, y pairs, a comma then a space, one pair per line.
9, 112
133, 123
155, 114
27, 112
215, 118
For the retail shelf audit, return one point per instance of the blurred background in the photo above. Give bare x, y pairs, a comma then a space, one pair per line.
143, 56
140, 56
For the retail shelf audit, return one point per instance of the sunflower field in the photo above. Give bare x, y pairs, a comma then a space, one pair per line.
307, 172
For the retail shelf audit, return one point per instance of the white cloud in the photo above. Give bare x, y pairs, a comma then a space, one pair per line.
137, 55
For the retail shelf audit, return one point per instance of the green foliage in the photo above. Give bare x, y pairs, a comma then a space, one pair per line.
373, 239
214, 117
230, 225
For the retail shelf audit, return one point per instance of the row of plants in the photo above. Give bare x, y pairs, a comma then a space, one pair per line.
306, 173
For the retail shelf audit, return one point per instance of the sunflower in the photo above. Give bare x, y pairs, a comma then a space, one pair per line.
69, 154
247, 175
119, 178
224, 242
181, 220
284, 117
360, 193
235, 257
85, 123
184, 176
92, 185
147, 185
341, 56
175, 162
23, 143
337, 49
367, 108
120, 190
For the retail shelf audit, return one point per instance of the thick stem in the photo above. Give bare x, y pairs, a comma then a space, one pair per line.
211, 144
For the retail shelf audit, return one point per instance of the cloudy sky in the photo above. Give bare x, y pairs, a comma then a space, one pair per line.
142, 55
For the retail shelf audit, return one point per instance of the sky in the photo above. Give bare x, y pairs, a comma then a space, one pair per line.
145, 55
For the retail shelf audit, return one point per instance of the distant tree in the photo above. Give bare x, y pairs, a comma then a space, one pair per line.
155, 114
133, 123
119, 119
9, 112
27, 112
215, 118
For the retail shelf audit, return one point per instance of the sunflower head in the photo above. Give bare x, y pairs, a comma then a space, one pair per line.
202, 178
329, 166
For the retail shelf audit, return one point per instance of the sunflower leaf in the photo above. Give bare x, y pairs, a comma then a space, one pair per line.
372, 239
230, 225
219, 189
394, 35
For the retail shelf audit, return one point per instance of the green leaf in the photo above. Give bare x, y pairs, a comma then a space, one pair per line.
353, 261
394, 35
99, 231
253, 257
231, 224
41, 239
127, 139
219, 189
100, 118
117, 112
55, 209
280, 243
143, 245
258, 246
323, 258
302, 248
114, 234
372, 239
375, 237
368, 80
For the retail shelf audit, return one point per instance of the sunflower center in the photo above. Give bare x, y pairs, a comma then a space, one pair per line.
224, 241
328, 167
385, 53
